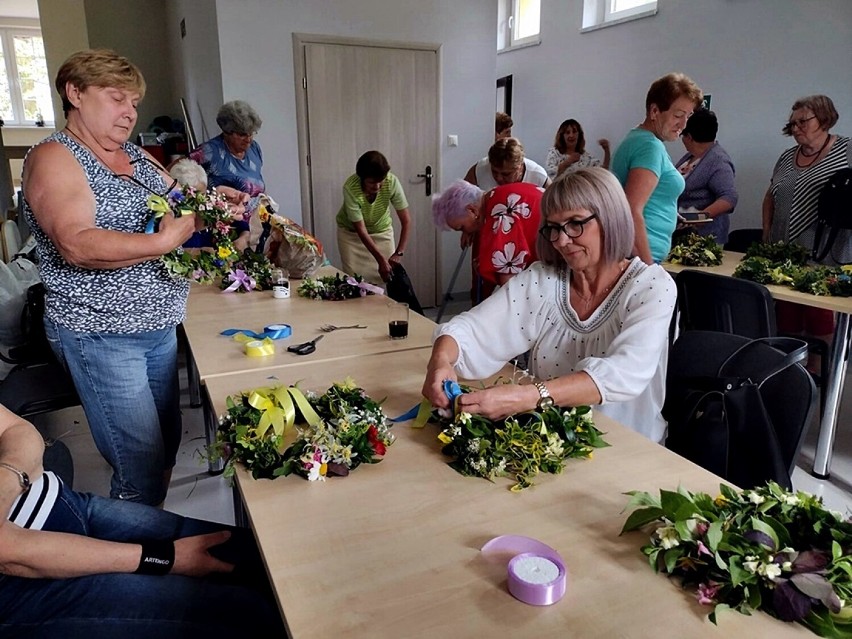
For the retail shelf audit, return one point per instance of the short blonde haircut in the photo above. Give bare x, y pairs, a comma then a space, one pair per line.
597, 191
98, 68
506, 151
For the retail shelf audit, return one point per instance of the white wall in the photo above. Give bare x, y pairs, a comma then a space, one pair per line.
255, 40
755, 57
196, 75
134, 29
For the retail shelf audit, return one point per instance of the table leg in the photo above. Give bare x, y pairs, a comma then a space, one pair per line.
833, 389
211, 424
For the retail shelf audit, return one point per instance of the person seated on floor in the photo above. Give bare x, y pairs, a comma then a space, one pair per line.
504, 164
503, 124
709, 175
594, 320
505, 221
80, 565
190, 173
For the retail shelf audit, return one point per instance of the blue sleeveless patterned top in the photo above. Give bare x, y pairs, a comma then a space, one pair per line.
132, 299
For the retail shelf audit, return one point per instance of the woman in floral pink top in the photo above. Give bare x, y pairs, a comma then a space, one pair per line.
505, 222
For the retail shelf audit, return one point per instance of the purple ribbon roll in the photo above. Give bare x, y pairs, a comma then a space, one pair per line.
536, 572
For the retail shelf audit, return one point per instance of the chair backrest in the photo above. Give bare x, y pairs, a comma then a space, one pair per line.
712, 302
789, 397
740, 240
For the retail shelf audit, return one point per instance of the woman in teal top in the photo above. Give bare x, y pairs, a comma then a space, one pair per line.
364, 225
651, 182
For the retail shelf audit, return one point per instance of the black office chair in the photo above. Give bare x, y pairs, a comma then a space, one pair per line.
712, 302
37, 383
788, 398
741, 239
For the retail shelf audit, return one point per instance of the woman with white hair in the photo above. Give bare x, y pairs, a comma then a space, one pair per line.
595, 321
233, 158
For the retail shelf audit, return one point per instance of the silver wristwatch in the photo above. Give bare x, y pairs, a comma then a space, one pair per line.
23, 478
545, 400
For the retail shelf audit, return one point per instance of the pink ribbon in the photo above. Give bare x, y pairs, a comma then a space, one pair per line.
365, 286
522, 550
240, 278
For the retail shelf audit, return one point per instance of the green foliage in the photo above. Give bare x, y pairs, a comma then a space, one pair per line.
519, 446
256, 265
696, 250
332, 287
779, 252
764, 549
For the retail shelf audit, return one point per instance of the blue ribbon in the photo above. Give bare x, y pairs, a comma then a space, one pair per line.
273, 331
452, 391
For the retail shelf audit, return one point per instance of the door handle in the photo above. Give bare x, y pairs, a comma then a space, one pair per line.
428, 179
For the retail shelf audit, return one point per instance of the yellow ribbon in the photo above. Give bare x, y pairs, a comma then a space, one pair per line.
277, 410
159, 205
424, 413
260, 348
308, 413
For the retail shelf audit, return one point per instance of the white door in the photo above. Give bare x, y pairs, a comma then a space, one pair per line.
360, 98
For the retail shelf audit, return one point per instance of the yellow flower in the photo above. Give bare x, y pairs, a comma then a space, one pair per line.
445, 438
224, 252
720, 500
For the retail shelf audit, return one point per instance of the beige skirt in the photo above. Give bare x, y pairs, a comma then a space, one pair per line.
357, 260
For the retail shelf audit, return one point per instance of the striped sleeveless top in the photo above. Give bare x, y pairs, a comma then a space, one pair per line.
31, 509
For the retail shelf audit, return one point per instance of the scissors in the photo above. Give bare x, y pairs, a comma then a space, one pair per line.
305, 349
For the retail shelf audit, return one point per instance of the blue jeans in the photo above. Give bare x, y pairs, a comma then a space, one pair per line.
128, 385
130, 606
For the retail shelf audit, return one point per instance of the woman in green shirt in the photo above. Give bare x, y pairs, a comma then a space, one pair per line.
364, 226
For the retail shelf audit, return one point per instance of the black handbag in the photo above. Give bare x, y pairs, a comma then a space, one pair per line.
399, 289
834, 212
723, 420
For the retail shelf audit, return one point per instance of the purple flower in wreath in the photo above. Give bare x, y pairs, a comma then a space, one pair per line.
176, 197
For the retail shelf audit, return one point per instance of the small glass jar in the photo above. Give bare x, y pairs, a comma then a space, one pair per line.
280, 284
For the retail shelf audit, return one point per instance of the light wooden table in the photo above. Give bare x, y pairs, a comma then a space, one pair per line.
393, 549
833, 387
209, 312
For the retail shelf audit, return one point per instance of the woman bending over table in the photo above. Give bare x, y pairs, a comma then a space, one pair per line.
111, 306
74, 565
595, 321
505, 221
643, 166
364, 225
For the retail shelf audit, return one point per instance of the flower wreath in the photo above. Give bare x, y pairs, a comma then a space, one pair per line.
250, 271
197, 265
696, 250
520, 445
764, 549
337, 287
336, 432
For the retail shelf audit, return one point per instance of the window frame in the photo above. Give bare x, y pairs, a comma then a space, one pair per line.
507, 25
7, 36
598, 14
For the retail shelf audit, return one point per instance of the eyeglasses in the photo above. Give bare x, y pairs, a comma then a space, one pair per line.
245, 136
798, 123
142, 184
571, 228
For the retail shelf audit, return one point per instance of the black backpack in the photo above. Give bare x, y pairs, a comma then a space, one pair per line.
738, 407
834, 212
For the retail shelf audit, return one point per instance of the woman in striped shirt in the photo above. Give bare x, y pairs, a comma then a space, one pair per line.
790, 203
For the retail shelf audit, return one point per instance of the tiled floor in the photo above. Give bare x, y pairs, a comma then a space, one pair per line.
195, 493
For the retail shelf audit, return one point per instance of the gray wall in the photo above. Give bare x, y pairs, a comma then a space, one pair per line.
255, 39
755, 57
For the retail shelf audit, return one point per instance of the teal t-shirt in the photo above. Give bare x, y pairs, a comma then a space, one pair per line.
642, 149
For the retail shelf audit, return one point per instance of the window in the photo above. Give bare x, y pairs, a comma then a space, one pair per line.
604, 13
24, 84
518, 23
